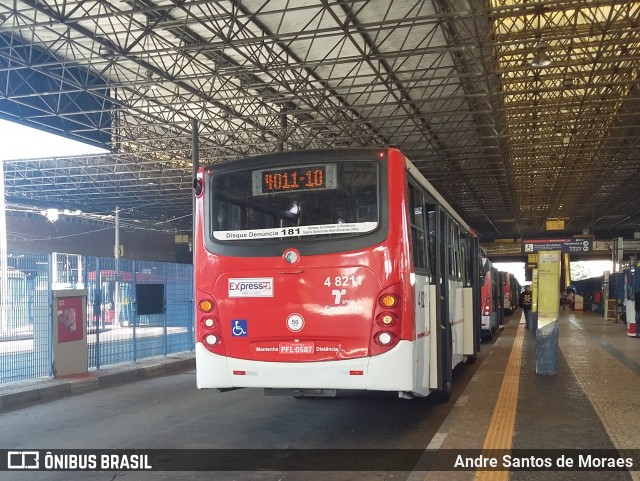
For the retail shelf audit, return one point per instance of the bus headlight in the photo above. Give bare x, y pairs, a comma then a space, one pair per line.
209, 322
211, 339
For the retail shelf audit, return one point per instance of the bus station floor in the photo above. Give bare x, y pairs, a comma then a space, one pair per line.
592, 403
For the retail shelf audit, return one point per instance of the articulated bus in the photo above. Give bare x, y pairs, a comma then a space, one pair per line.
318, 271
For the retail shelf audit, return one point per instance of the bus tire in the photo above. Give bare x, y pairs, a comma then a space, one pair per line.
443, 395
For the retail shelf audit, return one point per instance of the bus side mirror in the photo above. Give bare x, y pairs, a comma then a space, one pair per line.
197, 186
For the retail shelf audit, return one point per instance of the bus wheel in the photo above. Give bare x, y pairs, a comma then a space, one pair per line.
443, 395
471, 359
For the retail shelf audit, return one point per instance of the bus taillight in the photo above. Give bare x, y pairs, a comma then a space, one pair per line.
385, 338
389, 300
388, 321
209, 328
206, 305
209, 322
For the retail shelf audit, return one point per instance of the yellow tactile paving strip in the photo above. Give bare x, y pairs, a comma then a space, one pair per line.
503, 419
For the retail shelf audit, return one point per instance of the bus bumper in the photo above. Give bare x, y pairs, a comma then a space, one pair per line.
391, 371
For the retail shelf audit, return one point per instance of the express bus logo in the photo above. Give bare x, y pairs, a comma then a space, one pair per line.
251, 287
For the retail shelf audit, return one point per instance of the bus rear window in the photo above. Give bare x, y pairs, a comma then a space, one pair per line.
306, 200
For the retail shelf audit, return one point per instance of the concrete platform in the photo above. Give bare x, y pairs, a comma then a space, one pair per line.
593, 403
21, 394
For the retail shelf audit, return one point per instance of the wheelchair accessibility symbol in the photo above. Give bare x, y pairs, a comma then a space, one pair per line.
239, 328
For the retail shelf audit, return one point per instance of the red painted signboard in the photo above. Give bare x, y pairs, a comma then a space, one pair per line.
69, 319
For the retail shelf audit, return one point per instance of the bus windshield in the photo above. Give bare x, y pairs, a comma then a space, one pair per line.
306, 200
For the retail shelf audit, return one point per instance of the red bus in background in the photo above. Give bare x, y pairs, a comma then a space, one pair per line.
509, 293
490, 299
323, 270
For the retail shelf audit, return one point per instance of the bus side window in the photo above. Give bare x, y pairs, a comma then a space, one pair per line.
464, 266
416, 219
451, 246
431, 237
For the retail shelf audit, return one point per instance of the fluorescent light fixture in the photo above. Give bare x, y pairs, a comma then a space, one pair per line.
541, 59
51, 214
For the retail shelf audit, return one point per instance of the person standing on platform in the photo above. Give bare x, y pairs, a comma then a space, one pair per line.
526, 302
570, 299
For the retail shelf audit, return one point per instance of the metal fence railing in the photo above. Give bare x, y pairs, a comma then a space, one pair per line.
135, 310
25, 318
119, 330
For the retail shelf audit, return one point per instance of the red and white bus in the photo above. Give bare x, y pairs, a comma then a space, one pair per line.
490, 298
323, 270
510, 292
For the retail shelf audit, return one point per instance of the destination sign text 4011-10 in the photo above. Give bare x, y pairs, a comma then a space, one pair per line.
295, 178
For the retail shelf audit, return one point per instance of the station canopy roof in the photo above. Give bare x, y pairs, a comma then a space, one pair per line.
517, 112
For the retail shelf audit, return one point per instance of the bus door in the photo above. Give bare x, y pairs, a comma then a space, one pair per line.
445, 347
422, 290
500, 298
440, 327
469, 249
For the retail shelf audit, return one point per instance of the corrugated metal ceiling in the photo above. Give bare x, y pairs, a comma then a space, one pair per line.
460, 86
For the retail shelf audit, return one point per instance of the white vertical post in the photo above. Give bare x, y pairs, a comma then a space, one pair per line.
195, 157
4, 269
116, 284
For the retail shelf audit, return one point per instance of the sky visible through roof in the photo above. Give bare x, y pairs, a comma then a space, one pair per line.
593, 268
20, 142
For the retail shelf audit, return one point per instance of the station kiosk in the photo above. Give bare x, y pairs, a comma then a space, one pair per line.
69, 350
68, 316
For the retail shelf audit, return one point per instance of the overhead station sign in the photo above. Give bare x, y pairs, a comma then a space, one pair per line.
554, 224
572, 245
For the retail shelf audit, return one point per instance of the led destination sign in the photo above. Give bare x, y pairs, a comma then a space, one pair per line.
295, 178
